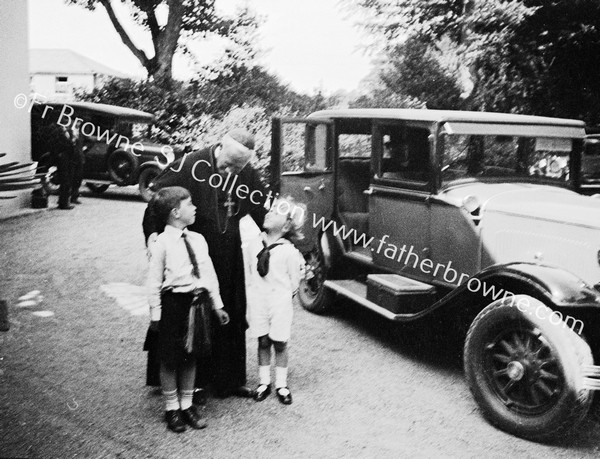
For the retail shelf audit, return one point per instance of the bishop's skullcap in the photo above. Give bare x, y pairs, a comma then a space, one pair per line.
242, 136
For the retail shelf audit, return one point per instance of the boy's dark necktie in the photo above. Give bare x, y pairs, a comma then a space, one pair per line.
190, 251
263, 259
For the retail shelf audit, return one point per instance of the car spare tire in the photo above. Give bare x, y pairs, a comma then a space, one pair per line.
525, 369
122, 166
145, 179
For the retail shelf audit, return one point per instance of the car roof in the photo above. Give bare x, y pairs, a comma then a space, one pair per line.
441, 116
125, 113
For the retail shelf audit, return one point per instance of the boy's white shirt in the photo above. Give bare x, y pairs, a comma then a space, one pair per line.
286, 268
170, 267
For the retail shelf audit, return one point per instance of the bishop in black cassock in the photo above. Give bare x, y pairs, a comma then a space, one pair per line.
221, 201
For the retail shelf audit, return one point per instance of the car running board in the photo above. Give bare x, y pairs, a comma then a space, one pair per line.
357, 292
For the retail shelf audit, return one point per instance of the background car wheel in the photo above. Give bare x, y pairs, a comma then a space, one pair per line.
51, 181
144, 181
313, 295
122, 166
97, 187
524, 372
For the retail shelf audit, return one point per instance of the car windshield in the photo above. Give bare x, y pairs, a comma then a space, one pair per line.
505, 157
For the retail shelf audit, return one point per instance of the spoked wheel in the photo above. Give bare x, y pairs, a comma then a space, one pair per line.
526, 373
523, 370
51, 181
313, 295
122, 166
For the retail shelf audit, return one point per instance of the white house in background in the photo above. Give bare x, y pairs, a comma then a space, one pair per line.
15, 128
57, 73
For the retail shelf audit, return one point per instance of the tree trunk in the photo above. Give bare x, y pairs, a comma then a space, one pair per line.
159, 67
166, 44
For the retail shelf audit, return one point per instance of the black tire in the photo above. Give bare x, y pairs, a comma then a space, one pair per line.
313, 294
97, 187
526, 373
51, 180
144, 180
122, 166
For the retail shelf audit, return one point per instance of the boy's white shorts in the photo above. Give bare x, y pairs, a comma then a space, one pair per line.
274, 320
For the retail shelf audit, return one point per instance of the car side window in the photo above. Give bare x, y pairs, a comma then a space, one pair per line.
505, 157
405, 154
305, 147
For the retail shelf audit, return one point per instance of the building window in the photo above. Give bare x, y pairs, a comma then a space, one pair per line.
62, 85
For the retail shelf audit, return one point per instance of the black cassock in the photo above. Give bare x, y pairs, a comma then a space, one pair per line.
211, 195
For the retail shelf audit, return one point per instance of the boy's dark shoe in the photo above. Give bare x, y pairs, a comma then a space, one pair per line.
284, 395
174, 421
200, 398
192, 418
262, 392
65, 207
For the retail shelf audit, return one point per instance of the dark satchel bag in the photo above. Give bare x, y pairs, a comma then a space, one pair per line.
153, 364
198, 339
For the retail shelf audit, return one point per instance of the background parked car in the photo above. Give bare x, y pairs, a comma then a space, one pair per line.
115, 142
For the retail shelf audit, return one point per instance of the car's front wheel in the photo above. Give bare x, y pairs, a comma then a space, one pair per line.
122, 166
525, 372
144, 181
51, 181
313, 294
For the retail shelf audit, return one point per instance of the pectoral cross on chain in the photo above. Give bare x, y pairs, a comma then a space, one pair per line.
229, 204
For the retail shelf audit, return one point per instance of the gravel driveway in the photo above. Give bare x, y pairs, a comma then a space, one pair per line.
72, 370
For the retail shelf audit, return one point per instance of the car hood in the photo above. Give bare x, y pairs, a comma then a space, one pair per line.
531, 201
536, 224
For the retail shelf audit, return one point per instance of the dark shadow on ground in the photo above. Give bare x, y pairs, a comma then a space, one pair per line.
428, 342
114, 193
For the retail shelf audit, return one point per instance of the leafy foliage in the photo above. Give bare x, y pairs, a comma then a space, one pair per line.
527, 56
180, 106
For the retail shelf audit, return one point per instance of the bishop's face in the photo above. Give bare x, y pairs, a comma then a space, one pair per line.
232, 157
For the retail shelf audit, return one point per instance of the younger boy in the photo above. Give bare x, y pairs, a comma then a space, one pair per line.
180, 269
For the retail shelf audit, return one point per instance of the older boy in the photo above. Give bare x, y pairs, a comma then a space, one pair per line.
180, 268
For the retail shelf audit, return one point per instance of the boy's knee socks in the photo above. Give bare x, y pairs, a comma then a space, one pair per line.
186, 399
171, 400
264, 374
281, 377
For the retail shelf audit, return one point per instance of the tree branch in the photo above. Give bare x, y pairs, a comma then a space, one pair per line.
124, 36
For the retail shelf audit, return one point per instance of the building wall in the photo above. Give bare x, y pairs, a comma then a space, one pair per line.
15, 129
47, 85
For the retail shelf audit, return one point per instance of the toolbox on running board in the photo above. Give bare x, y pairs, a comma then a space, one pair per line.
399, 294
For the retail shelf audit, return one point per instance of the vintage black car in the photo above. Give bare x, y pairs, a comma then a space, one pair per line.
114, 143
466, 221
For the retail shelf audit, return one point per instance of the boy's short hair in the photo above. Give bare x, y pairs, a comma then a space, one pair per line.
167, 199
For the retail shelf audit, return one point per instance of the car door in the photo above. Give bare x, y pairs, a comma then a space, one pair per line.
399, 208
97, 146
301, 167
